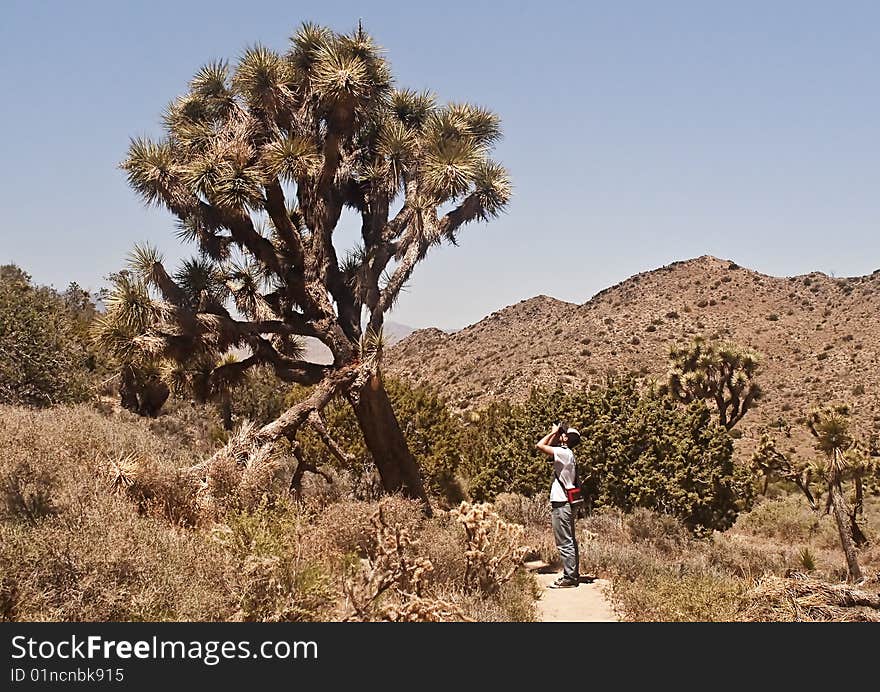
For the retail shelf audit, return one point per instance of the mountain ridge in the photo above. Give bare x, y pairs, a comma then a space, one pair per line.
818, 338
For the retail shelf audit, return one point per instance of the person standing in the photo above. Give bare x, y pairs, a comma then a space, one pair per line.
558, 445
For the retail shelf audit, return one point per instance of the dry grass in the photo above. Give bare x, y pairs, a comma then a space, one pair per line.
99, 520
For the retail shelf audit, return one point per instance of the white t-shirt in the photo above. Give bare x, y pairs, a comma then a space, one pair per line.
563, 466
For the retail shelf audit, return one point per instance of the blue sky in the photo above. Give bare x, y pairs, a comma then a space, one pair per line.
636, 133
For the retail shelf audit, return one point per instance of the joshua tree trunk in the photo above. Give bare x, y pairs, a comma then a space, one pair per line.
858, 535
384, 439
841, 516
226, 412
128, 398
144, 398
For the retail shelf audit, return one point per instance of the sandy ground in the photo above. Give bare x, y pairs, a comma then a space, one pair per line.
586, 603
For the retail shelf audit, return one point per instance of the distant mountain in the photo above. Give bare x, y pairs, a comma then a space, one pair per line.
316, 352
395, 333
818, 338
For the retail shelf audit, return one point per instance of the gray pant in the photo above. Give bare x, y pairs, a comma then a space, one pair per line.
566, 539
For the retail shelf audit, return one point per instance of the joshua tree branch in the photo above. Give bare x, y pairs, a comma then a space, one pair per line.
416, 248
399, 223
469, 210
292, 420
289, 369
302, 466
277, 209
300, 327
231, 372
168, 287
316, 420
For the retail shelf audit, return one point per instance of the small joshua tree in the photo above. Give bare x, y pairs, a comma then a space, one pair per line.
842, 460
830, 427
722, 373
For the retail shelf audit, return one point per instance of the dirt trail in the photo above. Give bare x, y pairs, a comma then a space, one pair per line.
586, 603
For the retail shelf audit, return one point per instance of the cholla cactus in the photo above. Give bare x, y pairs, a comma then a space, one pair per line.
394, 569
494, 549
417, 609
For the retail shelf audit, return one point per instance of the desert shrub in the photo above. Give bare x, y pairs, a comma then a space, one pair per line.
745, 560
284, 567
671, 597
662, 530
281, 589
44, 357
157, 487
26, 490
349, 526
520, 509
261, 398
621, 561
442, 542
609, 523
788, 519
105, 561
514, 602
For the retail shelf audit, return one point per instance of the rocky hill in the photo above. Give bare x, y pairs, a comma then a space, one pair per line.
818, 338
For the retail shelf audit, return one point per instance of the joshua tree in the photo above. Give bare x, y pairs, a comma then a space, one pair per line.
261, 160
722, 373
830, 427
844, 460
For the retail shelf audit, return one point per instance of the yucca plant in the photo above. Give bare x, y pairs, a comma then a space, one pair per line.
293, 140
131, 313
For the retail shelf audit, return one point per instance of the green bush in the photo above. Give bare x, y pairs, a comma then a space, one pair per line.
639, 449
44, 359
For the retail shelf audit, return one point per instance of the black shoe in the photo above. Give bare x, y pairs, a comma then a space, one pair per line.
564, 583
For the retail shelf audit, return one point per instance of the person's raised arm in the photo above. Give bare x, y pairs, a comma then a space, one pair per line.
544, 444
